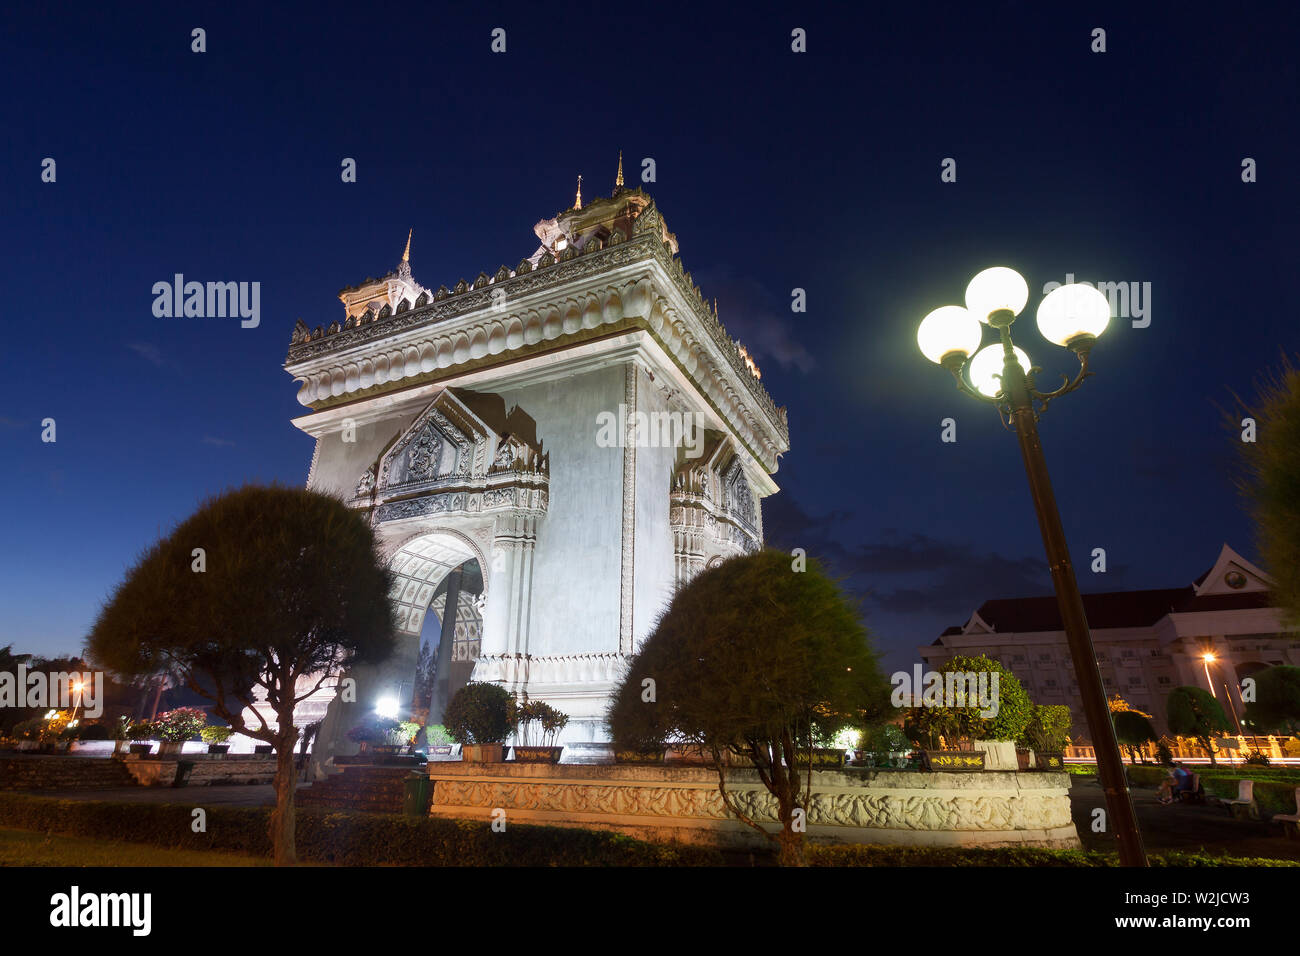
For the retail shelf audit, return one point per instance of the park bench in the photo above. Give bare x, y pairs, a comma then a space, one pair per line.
1195, 793
1290, 821
1244, 806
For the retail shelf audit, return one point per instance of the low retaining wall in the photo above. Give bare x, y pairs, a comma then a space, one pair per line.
70, 772
682, 804
207, 771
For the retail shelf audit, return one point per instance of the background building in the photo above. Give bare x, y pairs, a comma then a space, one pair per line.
1147, 642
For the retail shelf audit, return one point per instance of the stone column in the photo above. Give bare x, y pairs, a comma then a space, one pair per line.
509, 600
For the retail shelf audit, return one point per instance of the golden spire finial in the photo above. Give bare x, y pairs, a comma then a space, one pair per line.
577, 203
406, 253
618, 180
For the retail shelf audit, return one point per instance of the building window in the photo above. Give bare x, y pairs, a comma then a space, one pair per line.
1135, 681
1128, 652
1049, 683
1163, 679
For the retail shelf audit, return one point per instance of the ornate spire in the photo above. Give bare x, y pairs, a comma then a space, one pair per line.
577, 203
406, 253
618, 180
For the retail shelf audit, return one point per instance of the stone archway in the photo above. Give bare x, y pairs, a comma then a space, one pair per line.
422, 562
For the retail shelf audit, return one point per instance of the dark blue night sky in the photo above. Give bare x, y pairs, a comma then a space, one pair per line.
775, 170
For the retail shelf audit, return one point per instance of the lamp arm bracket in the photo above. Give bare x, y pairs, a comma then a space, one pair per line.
1068, 385
967, 390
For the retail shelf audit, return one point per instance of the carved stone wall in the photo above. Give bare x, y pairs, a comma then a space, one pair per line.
861, 806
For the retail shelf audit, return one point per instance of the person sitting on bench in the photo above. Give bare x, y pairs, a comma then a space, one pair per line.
1179, 781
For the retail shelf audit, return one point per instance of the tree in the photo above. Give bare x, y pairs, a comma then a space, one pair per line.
756, 660
961, 726
1132, 729
1277, 700
1270, 479
1195, 713
288, 585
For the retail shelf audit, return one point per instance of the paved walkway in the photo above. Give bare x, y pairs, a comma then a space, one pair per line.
1180, 826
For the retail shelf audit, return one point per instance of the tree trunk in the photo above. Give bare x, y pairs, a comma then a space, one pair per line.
283, 817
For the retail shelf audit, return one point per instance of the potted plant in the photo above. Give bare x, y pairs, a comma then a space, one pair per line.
117, 731
478, 718
402, 737
944, 738
177, 726
138, 734
216, 738
879, 745
28, 733
538, 725
1048, 733
438, 740
93, 732
67, 737
373, 732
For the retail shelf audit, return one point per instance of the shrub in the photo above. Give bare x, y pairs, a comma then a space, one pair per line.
1048, 728
181, 724
349, 838
926, 724
373, 729
95, 732
883, 739
29, 729
215, 734
437, 736
141, 731
479, 714
874, 855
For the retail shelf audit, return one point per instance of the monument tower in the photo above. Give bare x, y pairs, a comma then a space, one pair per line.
545, 453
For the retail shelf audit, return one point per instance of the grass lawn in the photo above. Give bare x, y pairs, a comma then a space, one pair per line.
27, 848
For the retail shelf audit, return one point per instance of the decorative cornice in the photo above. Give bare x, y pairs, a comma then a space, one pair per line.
494, 334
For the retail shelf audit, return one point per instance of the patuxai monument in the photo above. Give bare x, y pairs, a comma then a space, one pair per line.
545, 452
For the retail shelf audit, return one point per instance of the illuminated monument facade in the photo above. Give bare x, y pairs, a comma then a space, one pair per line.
545, 453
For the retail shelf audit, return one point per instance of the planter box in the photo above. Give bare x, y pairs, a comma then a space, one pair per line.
1053, 761
537, 754
823, 758
483, 753
638, 756
1024, 759
219, 749
952, 760
263, 749
171, 747
142, 748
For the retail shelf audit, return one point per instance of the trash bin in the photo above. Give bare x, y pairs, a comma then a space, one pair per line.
416, 803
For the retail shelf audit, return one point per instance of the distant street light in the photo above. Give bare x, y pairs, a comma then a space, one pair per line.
1072, 316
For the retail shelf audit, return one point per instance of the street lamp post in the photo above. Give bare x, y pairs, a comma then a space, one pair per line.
1071, 316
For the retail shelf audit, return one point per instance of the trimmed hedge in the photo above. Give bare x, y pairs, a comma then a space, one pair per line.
348, 838
868, 855
1272, 794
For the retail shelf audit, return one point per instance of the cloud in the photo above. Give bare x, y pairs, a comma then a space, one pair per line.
150, 353
905, 573
218, 442
750, 314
